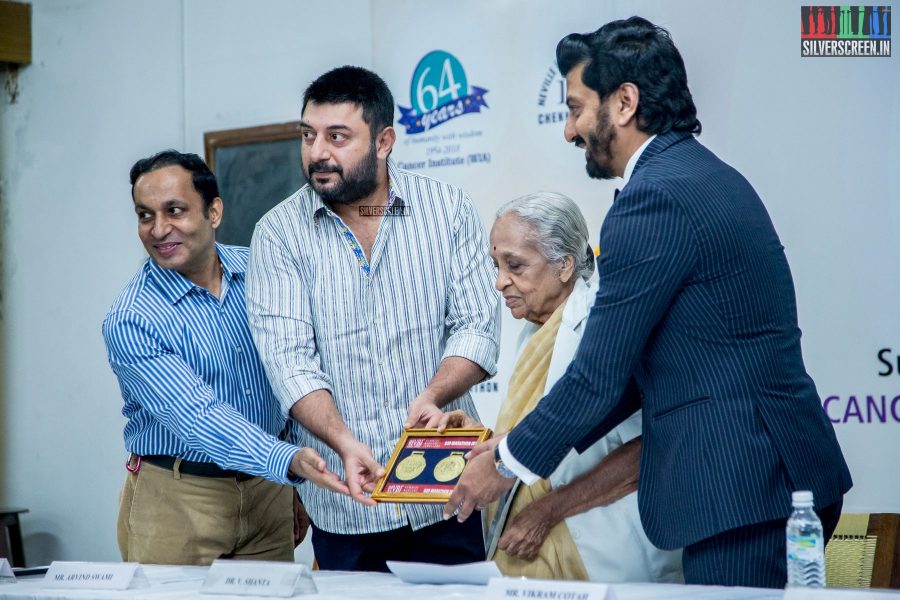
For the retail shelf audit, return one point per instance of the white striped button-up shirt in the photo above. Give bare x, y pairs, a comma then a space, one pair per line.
372, 332
191, 379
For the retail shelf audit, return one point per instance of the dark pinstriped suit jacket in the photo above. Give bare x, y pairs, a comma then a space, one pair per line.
696, 306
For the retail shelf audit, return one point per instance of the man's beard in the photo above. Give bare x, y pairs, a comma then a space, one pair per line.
599, 148
351, 187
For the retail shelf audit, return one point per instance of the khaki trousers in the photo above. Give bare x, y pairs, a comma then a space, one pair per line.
166, 517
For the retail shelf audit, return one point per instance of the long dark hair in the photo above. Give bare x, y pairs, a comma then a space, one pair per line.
637, 51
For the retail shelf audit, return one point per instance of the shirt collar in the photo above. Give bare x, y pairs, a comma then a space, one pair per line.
176, 286
319, 208
629, 167
579, 302
231, 262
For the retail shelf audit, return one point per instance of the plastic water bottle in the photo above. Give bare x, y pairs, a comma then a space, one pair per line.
805, 544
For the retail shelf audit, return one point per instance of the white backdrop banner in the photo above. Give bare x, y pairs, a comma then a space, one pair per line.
480, 104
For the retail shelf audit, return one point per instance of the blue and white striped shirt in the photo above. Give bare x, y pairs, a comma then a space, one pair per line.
374, 337
190, 376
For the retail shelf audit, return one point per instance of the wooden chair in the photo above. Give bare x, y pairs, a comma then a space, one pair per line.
864, 552
11, 536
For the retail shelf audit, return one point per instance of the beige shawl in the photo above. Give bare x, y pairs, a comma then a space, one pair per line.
558, 557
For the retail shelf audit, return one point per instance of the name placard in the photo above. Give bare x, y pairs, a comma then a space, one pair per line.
508, 588
95, 576
258, 578
6, 572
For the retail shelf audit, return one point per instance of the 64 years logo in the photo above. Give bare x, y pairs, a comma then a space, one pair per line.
439, 91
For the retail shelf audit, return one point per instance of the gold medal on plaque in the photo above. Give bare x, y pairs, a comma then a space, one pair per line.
426, 464
450, 467
411, 466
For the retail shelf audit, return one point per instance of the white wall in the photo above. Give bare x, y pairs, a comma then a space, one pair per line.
112, 82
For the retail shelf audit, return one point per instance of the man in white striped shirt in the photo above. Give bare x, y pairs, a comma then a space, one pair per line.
202, 419
371, 301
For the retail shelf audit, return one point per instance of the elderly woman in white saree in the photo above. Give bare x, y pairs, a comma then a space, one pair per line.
583, 522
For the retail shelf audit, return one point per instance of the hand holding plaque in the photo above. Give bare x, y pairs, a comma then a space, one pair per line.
426, 464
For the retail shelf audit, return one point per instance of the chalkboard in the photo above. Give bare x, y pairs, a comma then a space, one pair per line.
256, 168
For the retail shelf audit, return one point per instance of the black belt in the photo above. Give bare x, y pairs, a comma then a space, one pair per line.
200, 469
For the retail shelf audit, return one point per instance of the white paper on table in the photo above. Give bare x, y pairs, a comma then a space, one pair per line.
477, 573
838, 594
165, 574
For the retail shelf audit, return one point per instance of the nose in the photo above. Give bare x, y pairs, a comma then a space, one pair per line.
318, 149
161, 228
501, 281
569, 130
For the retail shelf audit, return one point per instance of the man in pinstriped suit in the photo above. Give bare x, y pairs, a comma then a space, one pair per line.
696, 305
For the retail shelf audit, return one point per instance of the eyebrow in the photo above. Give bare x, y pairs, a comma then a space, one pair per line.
167, 204
329, 128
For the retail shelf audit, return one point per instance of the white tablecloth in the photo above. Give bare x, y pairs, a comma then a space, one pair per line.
184, 582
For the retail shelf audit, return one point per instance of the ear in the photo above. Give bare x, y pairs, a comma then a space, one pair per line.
567, 270
625, 104
215, 212
385, 142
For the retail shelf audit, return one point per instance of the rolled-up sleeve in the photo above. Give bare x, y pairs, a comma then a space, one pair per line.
280, 316
473, 305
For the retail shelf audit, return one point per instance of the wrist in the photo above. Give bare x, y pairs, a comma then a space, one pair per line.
345, 443
427, 398
296, 473
553, 510
295, 467
502, 469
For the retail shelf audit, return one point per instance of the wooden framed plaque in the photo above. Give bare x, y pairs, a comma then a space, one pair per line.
426, 465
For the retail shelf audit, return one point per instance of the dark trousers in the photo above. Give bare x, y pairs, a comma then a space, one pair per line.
751, 556
448, 543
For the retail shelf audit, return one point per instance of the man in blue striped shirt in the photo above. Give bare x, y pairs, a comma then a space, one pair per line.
370, 295
202, 419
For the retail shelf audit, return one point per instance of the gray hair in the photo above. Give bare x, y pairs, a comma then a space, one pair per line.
559, 228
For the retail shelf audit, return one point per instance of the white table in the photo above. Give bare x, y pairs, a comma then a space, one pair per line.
184, 582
